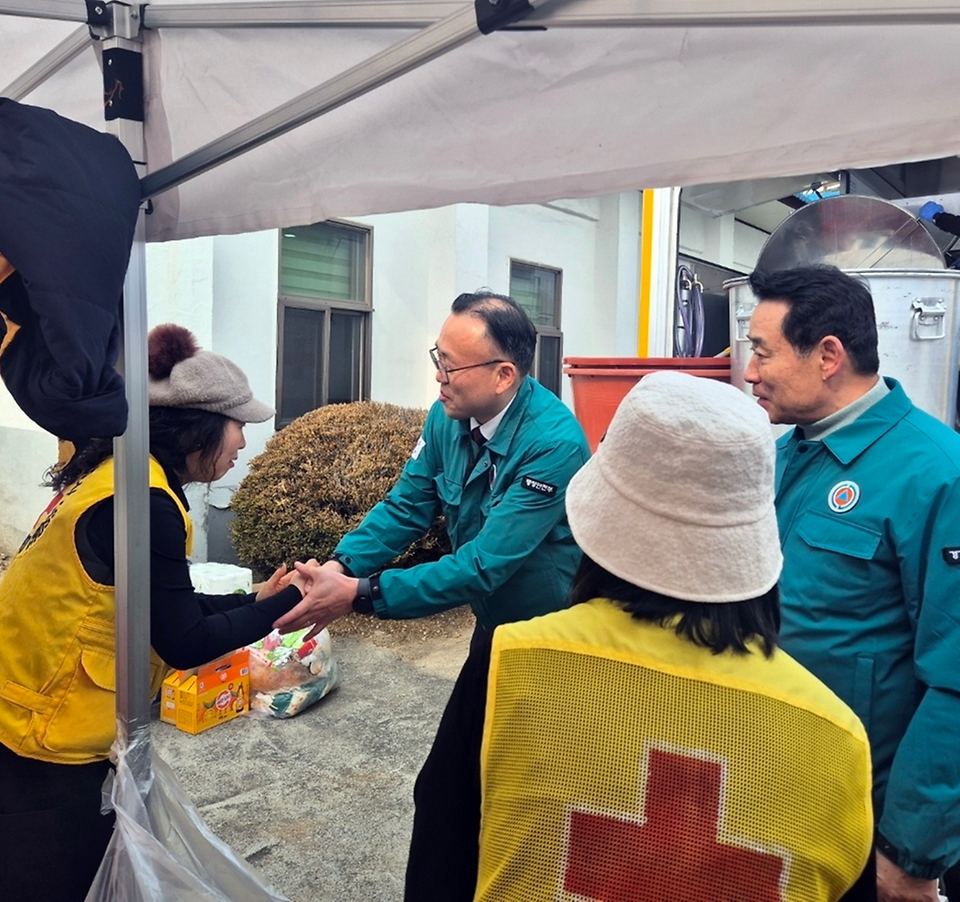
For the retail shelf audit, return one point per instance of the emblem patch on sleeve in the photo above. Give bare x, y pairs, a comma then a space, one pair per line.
535, 485
951, 556
420, 445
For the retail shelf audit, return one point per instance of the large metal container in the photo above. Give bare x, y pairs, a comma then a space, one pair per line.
917, 327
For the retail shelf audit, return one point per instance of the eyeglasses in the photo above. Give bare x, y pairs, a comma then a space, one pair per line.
447, 371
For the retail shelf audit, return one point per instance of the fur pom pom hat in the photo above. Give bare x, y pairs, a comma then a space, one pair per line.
678, 498
184, 375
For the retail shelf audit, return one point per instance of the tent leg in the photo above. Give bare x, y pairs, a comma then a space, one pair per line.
121, 50
132, 526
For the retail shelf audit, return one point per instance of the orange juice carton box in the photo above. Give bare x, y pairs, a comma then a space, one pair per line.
203, 697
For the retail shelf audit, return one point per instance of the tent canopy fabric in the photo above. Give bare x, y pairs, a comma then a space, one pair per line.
642, 95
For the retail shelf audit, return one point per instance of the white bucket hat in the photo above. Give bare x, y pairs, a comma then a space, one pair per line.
678, 498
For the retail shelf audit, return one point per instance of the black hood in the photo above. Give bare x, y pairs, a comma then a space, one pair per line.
69, 197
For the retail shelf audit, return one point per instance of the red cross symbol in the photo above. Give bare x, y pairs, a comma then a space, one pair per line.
675, 850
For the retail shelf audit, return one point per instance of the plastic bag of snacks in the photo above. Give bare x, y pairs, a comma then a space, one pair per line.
288, 675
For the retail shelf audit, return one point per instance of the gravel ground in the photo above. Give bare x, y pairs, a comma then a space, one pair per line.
412, 640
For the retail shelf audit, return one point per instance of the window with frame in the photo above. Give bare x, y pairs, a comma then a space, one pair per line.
324, 318
537, 289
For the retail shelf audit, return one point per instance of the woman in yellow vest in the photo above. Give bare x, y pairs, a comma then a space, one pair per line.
651, 743
57, 666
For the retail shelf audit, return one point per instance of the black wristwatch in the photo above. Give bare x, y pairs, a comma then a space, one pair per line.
368, 589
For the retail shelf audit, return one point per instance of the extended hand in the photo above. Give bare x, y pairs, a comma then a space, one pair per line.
896, 885
329, 595
280, 580
929, 210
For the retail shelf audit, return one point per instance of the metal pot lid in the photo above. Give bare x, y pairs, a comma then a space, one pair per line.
851, 231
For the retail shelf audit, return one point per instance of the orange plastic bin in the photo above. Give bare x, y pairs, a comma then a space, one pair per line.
600, 383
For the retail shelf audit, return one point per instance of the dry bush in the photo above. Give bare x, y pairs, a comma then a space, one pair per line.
318, 477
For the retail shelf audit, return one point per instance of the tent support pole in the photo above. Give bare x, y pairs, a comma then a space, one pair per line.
131, 538
447, 34
131, 524
64, 10
71, 46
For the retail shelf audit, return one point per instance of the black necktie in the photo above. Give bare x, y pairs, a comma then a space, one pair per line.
479, 440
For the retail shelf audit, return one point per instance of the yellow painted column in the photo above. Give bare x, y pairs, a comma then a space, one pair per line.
659, 239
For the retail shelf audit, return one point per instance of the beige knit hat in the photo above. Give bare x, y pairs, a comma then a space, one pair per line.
183, 375
678, 498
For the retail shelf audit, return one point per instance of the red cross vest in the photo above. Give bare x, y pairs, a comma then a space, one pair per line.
621, 763
57, 661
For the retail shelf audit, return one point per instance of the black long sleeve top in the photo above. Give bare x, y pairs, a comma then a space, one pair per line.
186, 628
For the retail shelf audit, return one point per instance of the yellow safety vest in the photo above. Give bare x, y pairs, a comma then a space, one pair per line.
620, 762
57, 661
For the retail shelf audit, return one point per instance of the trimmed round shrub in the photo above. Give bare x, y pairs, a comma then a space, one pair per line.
317, 479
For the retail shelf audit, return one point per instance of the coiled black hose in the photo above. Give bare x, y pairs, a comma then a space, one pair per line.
688, 321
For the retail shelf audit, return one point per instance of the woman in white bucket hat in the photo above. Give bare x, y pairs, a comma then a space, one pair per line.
651, 742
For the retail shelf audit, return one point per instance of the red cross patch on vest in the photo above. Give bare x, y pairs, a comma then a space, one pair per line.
677, 847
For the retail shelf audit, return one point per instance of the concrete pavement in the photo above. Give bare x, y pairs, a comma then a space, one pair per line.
322, 804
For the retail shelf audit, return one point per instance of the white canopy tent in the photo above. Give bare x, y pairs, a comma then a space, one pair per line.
592, 97
282, 112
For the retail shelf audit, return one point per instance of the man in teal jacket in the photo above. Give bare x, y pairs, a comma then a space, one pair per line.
495, 456
868, 504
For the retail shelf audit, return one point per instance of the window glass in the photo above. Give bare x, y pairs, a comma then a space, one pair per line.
324, 315
549, 366
323, 260
537, 290
346, 335
302, 375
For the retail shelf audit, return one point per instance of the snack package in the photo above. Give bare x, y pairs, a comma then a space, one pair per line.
287, 675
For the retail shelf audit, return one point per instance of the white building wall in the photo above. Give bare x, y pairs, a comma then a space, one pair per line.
26, 451
551, 237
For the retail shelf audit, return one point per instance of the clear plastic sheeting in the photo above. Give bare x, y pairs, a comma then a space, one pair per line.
161, 848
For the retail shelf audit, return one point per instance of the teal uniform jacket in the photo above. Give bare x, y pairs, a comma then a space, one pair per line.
513, 553
870, 527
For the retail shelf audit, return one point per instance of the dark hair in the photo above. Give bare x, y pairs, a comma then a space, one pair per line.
718, 627
175, 432
507, 324
86, 458
824, 301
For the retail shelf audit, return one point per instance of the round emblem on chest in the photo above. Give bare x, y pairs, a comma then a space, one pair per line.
843, 496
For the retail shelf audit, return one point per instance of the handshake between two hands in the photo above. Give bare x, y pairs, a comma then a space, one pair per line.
328, 593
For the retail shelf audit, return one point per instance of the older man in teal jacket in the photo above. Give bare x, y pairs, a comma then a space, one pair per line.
495, 457
868, 503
